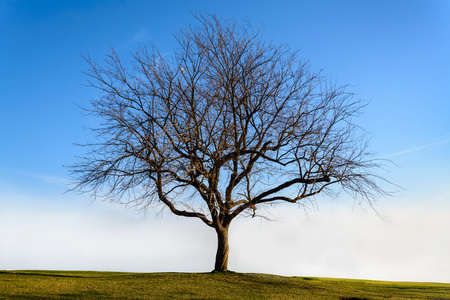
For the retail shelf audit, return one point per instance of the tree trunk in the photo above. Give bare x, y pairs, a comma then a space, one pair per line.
222, 250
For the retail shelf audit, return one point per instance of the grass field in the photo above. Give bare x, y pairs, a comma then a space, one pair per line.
111, 285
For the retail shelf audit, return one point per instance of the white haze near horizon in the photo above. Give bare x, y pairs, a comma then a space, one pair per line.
339, 240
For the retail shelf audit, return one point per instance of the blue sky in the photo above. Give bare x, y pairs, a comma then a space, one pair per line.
394, 54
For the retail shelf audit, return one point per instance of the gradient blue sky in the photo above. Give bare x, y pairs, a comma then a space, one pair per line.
395, 54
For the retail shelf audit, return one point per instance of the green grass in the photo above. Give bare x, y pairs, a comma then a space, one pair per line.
112, 285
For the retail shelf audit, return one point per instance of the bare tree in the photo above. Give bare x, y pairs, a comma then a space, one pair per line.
229, 123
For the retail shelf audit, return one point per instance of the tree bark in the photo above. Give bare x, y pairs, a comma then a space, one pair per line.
222, 250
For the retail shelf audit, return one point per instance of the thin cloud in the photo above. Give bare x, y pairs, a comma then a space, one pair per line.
141, 36
46, 178
419, 148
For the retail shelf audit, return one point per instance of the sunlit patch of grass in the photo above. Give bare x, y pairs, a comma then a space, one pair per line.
112, 285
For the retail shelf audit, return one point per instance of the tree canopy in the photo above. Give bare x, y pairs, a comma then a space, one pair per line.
229, 123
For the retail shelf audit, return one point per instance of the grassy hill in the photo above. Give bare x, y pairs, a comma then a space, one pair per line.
112, 285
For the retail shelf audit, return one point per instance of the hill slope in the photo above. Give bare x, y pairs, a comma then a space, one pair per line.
112, 285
